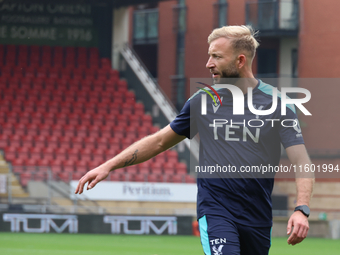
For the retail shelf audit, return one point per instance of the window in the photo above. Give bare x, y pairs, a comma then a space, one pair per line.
179, 18
145, 29
220, 13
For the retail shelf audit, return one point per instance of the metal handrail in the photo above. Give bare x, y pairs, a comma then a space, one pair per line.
126, 46
156, 93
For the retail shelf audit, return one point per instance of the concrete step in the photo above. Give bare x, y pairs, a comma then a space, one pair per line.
4, 168
62, 201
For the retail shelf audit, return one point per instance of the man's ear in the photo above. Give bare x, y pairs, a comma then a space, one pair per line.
241, 61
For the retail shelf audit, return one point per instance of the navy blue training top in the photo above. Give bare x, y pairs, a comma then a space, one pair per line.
242, 197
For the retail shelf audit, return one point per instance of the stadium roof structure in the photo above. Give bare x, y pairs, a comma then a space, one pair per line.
114, 3
120, 3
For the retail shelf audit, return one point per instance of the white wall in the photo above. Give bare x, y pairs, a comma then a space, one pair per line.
286, 46
120, 33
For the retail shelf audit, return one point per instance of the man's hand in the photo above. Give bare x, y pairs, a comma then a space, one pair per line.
301, 226
92, 177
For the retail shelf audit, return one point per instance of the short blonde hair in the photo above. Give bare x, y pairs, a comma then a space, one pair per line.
242, 38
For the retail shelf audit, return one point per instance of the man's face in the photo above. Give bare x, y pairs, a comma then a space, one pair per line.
222, 60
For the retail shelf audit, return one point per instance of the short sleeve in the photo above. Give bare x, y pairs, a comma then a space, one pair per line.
185, 123
289, 129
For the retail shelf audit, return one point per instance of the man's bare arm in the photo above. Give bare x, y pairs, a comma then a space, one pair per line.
138, 152
304, 185
304, 180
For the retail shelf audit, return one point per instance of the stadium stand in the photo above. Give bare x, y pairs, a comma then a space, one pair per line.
67, 110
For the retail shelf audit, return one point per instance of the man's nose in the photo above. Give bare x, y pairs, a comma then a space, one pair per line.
210, 64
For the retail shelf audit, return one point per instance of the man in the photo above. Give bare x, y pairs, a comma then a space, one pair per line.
234, 213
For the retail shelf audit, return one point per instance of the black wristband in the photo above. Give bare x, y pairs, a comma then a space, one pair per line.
304, 209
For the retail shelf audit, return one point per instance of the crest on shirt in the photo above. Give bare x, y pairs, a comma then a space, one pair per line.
297, 128
217, 105
217, 251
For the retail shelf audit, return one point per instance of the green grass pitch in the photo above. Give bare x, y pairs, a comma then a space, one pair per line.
86, 244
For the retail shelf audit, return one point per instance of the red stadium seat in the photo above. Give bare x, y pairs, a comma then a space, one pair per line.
110, 122
160, 158
181, 168
77, 142
42, 72
20, 127
4, 141
178, 178
169, 168
48, 157
69, 131
156, 168
94, 131
146, 119
36, 153
105, 131
58, 51
65, 142
131, 169
143, 130
190, 179
61, 152
54, 73
82, 51
87, 150
166, 178
171, 155
23, 152
98, 154
65, 176
144, 168
154, 129
81, 166
94, 164
56, 166
115, 176
18, 163
141, 178
114, 74
104, 141
49, 150
46, 49
11, 153
73, 153
112, 151
89, 76
119, 131
69, 165
44, 162
154, 178
25, 178
114, 113
128, 177
78, 174
134, 120
31, 162
53, 140
90, 141
40, 141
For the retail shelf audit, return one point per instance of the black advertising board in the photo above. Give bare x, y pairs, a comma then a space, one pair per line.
99, 224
